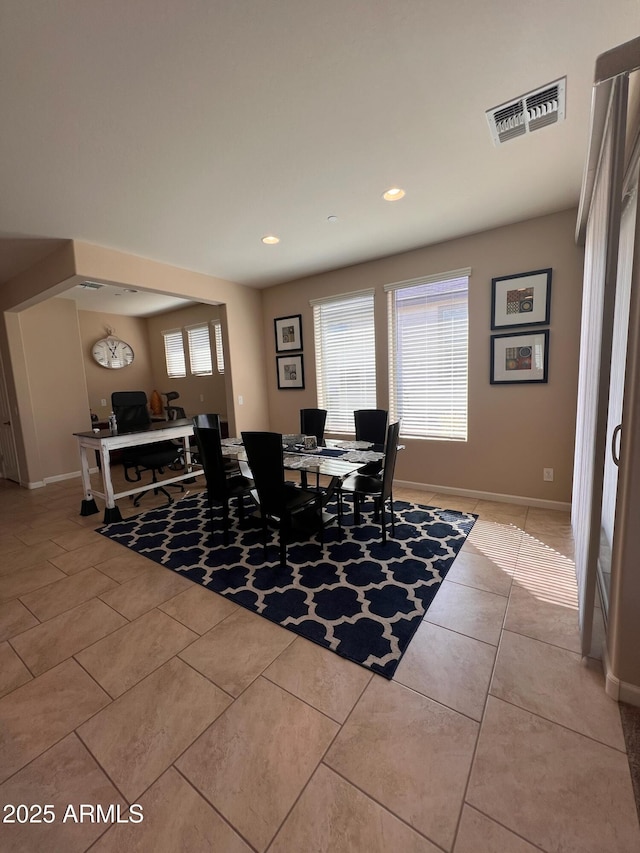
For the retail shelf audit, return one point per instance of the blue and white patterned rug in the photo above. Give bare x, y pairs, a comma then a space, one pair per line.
359, 598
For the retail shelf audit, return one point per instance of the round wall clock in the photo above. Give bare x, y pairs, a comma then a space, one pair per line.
112, 353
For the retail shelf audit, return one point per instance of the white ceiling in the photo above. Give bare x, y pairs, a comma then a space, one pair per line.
185, 130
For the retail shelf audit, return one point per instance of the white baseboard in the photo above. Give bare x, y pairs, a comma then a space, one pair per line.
57, 478
619, 690
485, 496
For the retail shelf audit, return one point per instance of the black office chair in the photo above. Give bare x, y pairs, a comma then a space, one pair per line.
312, 422
281, 503
222, 486
371, 425
378, 488
173, 412
132, 412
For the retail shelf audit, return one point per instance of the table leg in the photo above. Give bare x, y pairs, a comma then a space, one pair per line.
111, 511
88, 505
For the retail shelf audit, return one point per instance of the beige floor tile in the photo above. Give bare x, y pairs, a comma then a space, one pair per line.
469, 611
140, 594
556, 788
319, 677
499, 542
535, 616
128, 655
14, 618
51, 530
51, 642
237, 650
124, 566
8, 543
410, 754
480, 572
65, 775
416, 496
238, 762
42, 711
27, 579
555, 684
446, 666
199, 608
479, 834
176, 818
457, 502
64, 594
29, 555
502, 513
88, 555
139, 735
555, 522
71, 540
13, 672
333, 815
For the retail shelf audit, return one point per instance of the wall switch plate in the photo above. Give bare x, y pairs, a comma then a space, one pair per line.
103, 402
202, 398
547, 475
240, 400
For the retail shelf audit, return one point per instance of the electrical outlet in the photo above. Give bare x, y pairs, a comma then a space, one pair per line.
240, 400
103, 402
202, 398
547, 475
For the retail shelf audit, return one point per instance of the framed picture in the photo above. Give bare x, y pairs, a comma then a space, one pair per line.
519, 358
288, 333
521, 300
290, 371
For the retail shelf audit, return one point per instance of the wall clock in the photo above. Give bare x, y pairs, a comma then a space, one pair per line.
111, 352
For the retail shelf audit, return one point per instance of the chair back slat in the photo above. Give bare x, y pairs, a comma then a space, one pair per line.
390, 454
266, 460
312, 422
371, 425
211, 459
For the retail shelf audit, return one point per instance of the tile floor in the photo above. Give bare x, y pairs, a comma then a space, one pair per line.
122, 683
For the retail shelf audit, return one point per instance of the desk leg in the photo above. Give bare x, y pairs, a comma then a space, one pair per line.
88, 505
187, 458
111, 511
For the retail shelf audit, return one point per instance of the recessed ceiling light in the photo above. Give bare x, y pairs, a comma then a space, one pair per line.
393, 194
332, 218
270, 239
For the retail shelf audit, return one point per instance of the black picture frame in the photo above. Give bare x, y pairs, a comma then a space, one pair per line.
290, 372
520, 358
288, 332
520, 300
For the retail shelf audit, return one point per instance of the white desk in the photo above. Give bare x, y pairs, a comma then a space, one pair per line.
104, 441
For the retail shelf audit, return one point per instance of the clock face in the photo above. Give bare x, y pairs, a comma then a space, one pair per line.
112, 353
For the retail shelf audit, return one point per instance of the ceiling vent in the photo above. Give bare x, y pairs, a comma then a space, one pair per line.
527, 113
90, 285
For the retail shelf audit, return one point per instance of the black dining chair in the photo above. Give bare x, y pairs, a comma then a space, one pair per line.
281, 503
312, 422
132, 413
222, 485
380, 489
213, 421
371, 426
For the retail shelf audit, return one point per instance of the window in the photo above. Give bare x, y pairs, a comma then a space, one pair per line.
345, 357
174, 353
217, 331
199, 350
428, 365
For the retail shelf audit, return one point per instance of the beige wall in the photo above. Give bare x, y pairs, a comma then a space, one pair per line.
54, 391
514, 430
54, 454
102, 382
198, 394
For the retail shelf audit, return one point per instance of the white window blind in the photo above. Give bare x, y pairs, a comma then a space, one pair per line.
199, 350
217, 331
174, 353
345, 358
428, 365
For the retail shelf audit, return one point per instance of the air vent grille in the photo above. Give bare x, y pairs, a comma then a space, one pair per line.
90, 285
528, 113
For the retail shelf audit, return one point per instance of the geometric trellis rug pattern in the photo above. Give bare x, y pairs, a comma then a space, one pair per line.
359, 598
